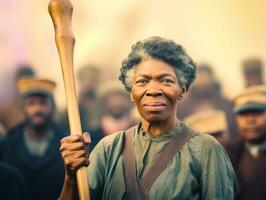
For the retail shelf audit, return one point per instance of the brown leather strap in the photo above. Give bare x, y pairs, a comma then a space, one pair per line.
129, 166
166, 155
139, 189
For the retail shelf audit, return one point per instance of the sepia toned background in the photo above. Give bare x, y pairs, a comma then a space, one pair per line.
222, 33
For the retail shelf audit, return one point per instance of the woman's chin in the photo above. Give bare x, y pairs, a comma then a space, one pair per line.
155, 119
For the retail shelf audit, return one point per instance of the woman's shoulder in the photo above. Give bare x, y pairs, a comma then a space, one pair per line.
110, 141
199, 140
205, 150
116, 138
204, 140
204, 144
107, 151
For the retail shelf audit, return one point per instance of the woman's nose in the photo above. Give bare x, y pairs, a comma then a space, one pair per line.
154, 89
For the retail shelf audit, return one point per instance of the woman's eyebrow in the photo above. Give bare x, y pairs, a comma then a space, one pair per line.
165, 75
159, 76
144, 76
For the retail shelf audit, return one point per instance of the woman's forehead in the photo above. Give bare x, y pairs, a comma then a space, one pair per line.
153, 67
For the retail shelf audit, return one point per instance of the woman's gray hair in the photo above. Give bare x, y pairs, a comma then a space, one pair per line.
161, 49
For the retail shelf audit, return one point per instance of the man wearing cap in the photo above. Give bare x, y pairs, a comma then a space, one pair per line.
248, 156
33, 146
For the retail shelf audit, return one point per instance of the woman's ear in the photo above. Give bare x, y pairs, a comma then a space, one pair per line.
131, 97
182, 93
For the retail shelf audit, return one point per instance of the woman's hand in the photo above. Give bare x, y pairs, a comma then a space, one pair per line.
75, 154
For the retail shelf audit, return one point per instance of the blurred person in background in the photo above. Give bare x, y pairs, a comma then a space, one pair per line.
33, 146
2, 132
116, 105
253, 70
10, 113
206, 94
12, 184
248, 155
90, 108
212, 122
89, 80
160, 158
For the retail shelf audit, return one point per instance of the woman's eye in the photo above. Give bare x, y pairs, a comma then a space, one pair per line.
141, 82
167, 81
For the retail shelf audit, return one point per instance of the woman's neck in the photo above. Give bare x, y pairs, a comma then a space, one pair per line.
159, 128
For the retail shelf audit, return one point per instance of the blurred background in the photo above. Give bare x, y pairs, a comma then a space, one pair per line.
221, 33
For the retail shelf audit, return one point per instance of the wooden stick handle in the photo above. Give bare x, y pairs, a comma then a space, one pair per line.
61, 14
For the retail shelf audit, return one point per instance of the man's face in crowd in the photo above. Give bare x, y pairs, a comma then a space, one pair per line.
254, 79
204, 79
38, 111
88, 83
155, 90
117, 104
252, 126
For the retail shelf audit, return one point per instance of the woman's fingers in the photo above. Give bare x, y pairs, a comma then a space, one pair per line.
74, 152
72, 146
77, 163
86, 138
74, 155
74, 164
71, 138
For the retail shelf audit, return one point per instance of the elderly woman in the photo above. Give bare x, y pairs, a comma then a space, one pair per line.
160, 158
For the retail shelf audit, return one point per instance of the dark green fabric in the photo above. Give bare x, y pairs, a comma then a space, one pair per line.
201, 170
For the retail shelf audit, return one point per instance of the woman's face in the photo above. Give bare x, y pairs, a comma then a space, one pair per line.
155, 90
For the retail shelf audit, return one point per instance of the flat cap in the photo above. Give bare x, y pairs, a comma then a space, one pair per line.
251, 98
32, 86
209, 121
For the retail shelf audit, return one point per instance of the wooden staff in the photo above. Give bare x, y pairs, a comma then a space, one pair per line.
61, 14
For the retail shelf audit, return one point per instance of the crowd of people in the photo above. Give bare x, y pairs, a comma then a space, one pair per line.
32, 167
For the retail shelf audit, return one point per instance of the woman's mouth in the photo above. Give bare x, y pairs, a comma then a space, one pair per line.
154, 106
